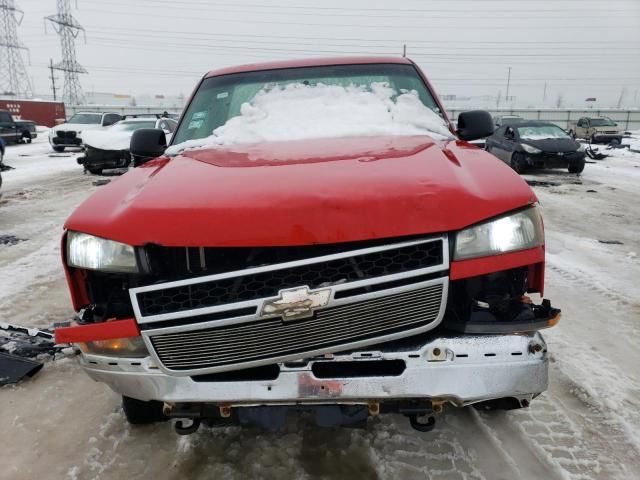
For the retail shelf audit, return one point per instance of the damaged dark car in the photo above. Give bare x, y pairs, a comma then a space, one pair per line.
536, 145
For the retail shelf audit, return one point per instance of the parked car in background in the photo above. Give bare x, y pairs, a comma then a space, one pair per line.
109, 147
500, 120
16, 131
536, 144
596, 129
68, 134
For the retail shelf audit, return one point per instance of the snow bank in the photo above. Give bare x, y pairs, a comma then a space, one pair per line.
298, 111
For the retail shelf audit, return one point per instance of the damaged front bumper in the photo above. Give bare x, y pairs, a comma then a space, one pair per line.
459, 369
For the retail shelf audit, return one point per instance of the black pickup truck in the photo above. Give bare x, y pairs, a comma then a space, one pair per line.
16, 131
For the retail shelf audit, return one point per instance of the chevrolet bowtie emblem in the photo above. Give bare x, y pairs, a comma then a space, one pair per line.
296, 303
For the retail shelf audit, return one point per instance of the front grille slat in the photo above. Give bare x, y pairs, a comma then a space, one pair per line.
192, 356
204, 359
333, 326
222, 345
351, 309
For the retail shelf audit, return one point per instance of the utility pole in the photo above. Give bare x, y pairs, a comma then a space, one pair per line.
53, 79
508, 82
14, 79
404, 50
544, 94
68, 29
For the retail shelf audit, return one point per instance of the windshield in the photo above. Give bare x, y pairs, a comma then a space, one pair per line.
221, 99
601, 122
132, 126
86, 118
541, 132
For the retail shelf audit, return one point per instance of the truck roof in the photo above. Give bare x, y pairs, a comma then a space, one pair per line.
307, 62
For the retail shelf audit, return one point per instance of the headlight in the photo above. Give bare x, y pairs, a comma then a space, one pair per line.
530, 149
507, 234
95, 253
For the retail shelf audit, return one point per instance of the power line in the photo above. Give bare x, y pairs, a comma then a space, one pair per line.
374, 9
476, 26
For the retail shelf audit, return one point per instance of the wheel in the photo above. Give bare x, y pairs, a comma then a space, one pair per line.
95, 171
577, 167
518, 162
593, 138
58, 149
139, 412
26, 137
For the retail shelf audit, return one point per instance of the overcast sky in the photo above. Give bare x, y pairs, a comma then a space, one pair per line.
580, 48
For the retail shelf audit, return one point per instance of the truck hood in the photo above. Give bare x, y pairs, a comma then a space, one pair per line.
303, 192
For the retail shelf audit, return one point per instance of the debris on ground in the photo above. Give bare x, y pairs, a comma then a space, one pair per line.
595, 154
611, 242
10, 240
540, 183
99, 183
592, 191
14, 368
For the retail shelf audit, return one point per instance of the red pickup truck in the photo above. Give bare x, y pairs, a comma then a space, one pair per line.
343, 275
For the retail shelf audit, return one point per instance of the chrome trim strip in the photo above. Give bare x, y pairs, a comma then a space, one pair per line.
258, 302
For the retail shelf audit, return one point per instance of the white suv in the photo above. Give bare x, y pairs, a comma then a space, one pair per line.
69, 133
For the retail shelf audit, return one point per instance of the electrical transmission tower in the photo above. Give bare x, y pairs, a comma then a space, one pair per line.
14, 79
68, 29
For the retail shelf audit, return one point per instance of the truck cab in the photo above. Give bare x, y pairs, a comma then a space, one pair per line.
16, 131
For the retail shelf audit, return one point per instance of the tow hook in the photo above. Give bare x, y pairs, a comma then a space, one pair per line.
420, 415
418, 423
181, 429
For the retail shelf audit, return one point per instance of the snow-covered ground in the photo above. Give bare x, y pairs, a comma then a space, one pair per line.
60, 424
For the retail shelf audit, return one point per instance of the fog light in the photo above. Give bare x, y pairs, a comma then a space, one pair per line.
121, 347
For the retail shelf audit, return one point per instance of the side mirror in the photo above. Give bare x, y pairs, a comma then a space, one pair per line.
475, 124
147, 144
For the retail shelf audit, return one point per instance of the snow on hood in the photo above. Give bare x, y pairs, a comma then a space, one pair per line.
298, 111
107, 140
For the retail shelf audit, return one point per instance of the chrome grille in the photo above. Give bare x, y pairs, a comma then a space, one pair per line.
245, 344
248, 285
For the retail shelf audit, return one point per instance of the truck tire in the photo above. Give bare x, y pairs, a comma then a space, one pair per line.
26, 137
58, 149
139, 412
592, 139
95, 171
518, 162
577, 167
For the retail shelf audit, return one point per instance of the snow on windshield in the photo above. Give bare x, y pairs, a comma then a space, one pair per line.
541, 133
298, 111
